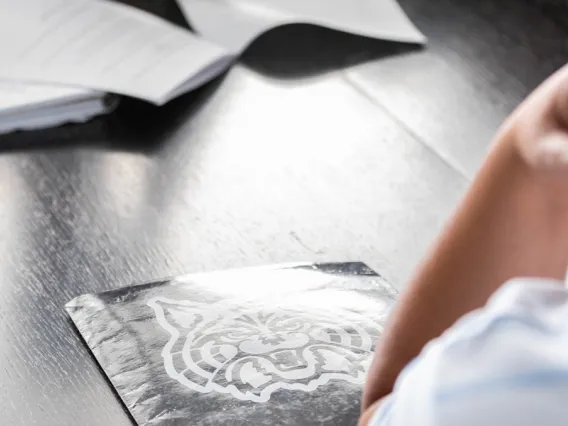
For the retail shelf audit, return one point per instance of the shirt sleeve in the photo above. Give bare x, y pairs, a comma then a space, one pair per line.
503, 365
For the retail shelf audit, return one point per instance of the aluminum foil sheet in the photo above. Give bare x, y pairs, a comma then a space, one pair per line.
287, 345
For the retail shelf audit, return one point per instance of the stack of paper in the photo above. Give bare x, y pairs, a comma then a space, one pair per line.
67, 54
26, 106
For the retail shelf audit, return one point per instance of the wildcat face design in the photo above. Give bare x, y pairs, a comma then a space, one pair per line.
250, 353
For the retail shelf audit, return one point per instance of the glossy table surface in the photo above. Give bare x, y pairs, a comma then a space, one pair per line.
317, 146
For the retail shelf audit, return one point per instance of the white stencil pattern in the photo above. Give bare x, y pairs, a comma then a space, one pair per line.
249, 352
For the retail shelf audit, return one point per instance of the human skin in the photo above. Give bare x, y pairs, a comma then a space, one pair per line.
513, 221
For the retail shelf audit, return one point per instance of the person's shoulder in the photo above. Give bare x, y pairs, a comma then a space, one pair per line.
505, 364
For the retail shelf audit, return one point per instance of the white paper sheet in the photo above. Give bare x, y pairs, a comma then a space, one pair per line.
234, 24
105, 46
16, 96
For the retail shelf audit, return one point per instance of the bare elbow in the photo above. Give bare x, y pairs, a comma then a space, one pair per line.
369, 412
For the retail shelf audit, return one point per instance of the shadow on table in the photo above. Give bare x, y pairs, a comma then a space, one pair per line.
288, 52
301, 50
295, 50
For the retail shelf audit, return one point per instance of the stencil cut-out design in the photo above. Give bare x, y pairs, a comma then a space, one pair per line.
250, 351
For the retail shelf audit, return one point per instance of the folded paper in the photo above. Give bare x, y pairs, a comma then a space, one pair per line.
234, 24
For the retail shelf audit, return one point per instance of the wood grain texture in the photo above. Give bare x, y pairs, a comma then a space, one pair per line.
554, 9
482, 59
252, 171
269, 164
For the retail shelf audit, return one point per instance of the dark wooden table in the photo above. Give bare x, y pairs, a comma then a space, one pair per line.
316, 146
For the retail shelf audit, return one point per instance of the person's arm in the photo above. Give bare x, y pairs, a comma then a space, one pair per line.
368, 414
488, 370
512, 222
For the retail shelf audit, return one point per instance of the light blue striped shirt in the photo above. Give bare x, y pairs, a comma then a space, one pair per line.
503, 365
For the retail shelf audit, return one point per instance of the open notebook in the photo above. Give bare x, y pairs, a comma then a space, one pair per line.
85, 48
67, 54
